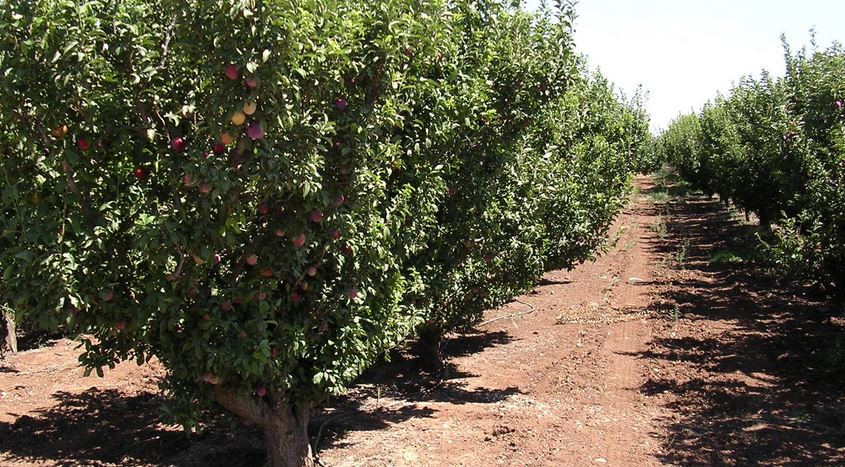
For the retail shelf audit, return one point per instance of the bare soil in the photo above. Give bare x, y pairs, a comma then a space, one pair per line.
654, 354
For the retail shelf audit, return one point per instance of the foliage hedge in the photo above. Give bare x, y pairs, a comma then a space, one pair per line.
267, 195
776, 147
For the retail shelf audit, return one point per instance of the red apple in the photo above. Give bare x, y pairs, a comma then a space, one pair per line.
186, 180
280, 233
251, 83
255, 132
217, 258
261, 391
347, 250
232, 72
178, 145
120, 325
340, 104
218, 148
204, 155
316, 216
311, 271
83, 145
205, 188
295, 297
263, 209
252, 259
107, 295
299, 240
140, 173
336, 234
352, 293
266, 273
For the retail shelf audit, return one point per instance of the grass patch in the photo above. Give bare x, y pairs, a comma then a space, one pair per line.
735, 257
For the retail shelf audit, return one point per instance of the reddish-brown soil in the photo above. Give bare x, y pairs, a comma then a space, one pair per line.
651, 355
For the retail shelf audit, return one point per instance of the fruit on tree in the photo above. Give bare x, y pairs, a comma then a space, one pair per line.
232, 72
251, 83
255, 132
120, 325
261, 391
238, 118
263, 209
352, 293
335, 233
280, 233
266, 273
252, 259
311, 271
178, 145
186, 180
218, 148
340, 104
316, 216
226, 138
60, 131
250, 108
107, 295
211, 378
83, 145
205, 188
299, 240
140, 173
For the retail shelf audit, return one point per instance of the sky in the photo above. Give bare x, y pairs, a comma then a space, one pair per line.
684, 52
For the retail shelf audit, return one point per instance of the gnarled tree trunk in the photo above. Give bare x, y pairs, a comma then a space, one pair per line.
285, 426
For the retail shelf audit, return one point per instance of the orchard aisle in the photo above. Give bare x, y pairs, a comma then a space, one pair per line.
558, 386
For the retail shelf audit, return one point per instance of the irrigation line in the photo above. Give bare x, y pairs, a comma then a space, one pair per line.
513, 316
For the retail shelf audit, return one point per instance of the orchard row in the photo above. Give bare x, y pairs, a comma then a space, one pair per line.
776, 147
267, 196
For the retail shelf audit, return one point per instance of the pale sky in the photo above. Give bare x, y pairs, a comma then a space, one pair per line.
684, 52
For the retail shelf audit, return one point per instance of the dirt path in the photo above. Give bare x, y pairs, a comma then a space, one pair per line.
556, 387
654, 354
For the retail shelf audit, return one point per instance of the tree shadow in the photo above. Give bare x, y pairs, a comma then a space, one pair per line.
398, 390
756, 364
95, 426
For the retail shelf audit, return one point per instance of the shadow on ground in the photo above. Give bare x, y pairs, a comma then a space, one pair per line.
95, 426
754, 364
398, 390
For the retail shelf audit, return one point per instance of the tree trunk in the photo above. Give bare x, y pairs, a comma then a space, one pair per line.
285, 426
11, 336
286, 441
429, 347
